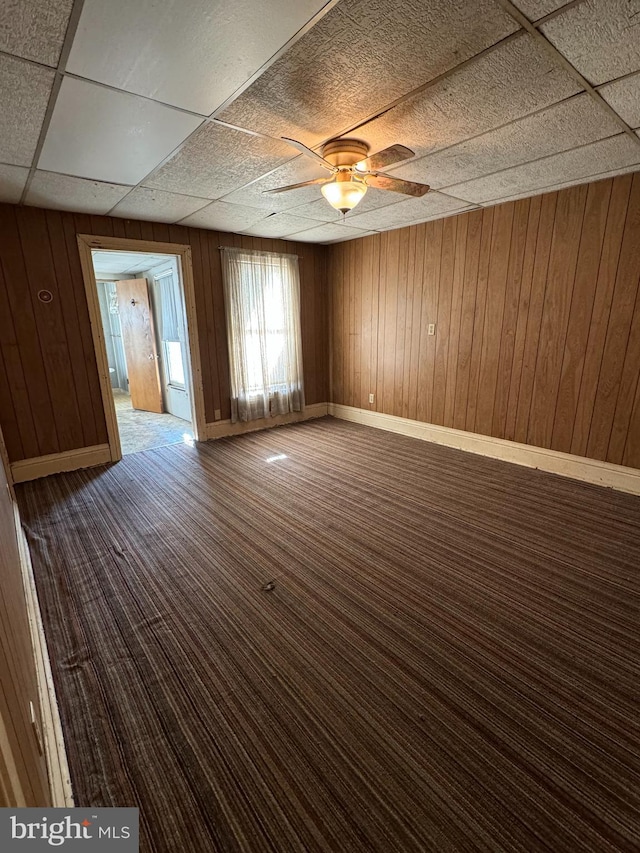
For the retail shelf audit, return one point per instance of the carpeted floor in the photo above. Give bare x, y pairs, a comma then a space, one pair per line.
445, 656
146, 430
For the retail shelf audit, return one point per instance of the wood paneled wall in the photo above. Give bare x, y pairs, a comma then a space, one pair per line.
49, 390
23, 772
537, 313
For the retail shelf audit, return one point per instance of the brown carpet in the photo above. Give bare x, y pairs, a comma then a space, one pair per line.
448, 659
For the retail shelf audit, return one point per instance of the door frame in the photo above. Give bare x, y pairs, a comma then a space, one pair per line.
88, 242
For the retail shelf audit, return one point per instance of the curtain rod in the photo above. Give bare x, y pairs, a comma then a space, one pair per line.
260, 250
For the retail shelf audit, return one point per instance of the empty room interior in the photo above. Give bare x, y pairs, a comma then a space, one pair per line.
320, 423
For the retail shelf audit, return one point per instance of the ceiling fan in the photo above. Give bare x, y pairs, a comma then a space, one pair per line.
353, 171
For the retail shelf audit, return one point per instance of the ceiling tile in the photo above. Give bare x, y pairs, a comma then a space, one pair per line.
110, 136
591, 179
217, 160
536, 9
297, 170
601, 38
618, 152
566, 125
220, 216
331, 232
512, 81
193, 54
126, 263
278, 225
157, 205
12, 181
319, 209
24, 95
624, 97
357, 59
406, 212
34, 29
62, 192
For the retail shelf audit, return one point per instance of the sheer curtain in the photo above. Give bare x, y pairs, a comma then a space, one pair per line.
170, 308
262, 299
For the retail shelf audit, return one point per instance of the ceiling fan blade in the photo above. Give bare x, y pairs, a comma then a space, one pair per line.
397, 185
309, 153
393, 154
295, 186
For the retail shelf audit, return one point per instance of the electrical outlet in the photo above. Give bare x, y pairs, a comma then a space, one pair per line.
431, 329
371, 398
217, 415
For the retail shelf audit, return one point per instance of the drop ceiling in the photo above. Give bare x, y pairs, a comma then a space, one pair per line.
173, 112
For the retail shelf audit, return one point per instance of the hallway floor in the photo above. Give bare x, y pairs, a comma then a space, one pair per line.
146, 430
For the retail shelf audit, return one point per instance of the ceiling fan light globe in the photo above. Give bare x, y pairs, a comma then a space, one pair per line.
344, 195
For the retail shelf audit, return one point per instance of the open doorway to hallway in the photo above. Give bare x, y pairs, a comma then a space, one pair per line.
142, 311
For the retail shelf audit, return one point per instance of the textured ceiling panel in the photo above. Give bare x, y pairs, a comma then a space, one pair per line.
157, 205
624, 97
217, 160
536, 9
574, 122
319, 209
510, 82
618, 152
331, 232
601, 38
412, 210
278, 225
300, 169
220, 216
62, 192
126, 263
604, 175
110, 136
24, 94
359, 57
34, 29
12, 181
190, 53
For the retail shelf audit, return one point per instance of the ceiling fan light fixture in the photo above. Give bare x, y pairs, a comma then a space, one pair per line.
344, 195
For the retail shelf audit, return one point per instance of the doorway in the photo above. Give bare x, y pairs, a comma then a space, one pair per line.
143, 332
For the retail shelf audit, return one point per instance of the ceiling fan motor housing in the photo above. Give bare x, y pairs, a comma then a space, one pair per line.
345, 152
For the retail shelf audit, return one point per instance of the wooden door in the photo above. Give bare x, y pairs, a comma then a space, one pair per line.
140, 349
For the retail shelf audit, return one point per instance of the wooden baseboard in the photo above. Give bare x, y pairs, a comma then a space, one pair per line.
52, 736
221, 429
56, 463
566, 464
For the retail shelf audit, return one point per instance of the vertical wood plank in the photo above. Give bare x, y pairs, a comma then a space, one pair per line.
447, 264
618, 329
510, 316
580, 313
478, 320
457, 289
429, 314
614, 230
555, 314
494, 311
533, 223
467, 313
534, 317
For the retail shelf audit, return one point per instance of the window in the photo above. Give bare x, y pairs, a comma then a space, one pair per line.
171, 327
262, 296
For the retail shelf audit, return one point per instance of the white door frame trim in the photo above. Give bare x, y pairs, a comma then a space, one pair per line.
88, 242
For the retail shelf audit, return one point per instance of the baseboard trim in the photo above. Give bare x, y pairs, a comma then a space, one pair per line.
56, 463
53, 738
565, 464
222, 429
